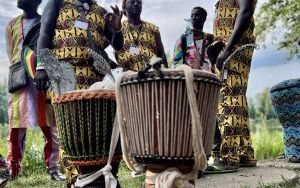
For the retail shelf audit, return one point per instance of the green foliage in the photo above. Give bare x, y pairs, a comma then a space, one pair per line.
126, 179
262, 107
283, 15
3, 103
33, 168
267, 143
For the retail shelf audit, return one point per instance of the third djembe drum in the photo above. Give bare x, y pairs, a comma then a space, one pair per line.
157, 117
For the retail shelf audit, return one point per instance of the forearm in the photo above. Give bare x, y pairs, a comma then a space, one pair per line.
44, 41
241, 24
164, 59
117, 40
48, 24
160, 51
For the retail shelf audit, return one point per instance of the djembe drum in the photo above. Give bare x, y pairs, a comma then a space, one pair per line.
157, 118
85, 122
285, 98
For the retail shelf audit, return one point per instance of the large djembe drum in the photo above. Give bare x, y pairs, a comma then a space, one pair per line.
85, 121
285, 98
157, 119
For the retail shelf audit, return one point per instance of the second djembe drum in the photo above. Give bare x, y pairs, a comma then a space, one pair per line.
85, 122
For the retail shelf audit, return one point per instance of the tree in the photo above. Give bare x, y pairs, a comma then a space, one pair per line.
285, 16
264, 106
251, 109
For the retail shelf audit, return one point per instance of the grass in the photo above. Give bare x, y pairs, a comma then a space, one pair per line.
267, 143
34, 171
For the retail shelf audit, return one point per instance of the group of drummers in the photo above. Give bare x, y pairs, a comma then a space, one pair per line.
70, 27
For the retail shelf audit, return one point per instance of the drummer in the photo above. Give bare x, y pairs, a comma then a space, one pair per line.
69, 34
142, 39
62, 24
191, 47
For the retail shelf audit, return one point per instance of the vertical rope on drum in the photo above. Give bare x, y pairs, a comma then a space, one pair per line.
122, 121
199, 154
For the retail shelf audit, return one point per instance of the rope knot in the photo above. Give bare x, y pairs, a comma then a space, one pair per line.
107, 170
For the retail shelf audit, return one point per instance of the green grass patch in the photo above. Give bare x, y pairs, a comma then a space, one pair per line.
266, 136
267, 143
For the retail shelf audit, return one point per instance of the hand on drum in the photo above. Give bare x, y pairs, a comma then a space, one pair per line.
222, 58
41, 79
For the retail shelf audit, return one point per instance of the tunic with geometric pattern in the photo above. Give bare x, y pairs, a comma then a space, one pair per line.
233, 118
142, 40
71, 43
26, 107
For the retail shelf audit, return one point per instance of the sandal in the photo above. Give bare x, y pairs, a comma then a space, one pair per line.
219, 168
247, 162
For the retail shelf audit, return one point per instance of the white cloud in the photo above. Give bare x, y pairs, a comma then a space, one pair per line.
8, 9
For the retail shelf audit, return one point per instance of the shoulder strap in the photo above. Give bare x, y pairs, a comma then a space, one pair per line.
183, 47
202, 51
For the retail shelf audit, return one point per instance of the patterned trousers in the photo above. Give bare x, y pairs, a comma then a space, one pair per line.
233, 118
16, 146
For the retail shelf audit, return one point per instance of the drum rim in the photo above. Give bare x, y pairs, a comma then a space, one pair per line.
171, 75
78, 95
287, 84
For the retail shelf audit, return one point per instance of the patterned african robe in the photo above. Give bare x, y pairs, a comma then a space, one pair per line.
71, 43
233, 118
143, 40
27, 106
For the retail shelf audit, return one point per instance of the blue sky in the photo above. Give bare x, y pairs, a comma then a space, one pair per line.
268, 67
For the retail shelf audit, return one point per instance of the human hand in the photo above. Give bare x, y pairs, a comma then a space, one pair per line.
114, 19
41, 79
221, 58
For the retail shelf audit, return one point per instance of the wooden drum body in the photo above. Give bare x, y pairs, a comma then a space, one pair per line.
158, 119
85, 122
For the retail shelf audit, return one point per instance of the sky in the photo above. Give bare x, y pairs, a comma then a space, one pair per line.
269, 66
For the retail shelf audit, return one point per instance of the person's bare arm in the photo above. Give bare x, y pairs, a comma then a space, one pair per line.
113, 27
242, 22
160, 50
48, 23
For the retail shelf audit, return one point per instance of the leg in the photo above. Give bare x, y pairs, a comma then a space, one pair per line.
16, 146
246, 153
217, 143
233, 111
51, 149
